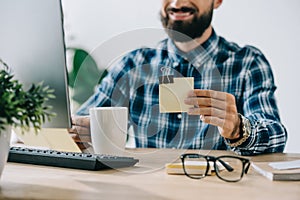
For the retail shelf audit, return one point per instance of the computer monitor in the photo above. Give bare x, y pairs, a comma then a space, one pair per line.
32, 44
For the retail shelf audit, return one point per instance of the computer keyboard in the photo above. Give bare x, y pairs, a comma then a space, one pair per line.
84, 161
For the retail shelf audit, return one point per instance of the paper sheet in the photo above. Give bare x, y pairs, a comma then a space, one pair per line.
172, 95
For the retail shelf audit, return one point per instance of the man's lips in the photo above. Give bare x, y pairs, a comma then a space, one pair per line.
183, 13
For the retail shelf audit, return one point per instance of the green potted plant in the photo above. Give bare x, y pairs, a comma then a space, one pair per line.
83, 65
20, 107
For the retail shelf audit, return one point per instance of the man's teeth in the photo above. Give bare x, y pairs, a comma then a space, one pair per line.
181, 14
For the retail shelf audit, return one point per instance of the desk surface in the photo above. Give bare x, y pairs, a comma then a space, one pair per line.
147, 180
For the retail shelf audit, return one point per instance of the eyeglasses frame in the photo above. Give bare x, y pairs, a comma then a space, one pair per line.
246, 165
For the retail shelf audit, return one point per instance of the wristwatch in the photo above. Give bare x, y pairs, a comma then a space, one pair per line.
245, 130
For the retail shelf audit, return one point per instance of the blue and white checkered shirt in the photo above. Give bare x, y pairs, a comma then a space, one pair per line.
216, 65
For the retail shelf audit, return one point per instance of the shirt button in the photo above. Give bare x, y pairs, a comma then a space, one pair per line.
175, 64
197, 65
179, 116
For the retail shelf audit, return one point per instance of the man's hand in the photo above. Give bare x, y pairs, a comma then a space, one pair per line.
216, 108
80, 131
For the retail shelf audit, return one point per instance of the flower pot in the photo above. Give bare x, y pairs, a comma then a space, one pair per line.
4, 146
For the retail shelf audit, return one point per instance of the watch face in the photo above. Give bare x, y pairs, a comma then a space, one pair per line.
246, 131
247, 125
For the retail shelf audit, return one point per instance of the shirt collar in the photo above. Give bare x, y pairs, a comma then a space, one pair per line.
197, 56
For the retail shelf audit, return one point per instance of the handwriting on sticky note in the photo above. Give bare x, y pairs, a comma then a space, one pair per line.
172, 95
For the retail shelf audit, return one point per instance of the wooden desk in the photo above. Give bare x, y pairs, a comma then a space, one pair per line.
147, 180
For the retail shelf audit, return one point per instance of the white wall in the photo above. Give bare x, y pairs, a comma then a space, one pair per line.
274, 27
271, 25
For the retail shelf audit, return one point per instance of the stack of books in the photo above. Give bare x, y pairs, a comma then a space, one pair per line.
279, 171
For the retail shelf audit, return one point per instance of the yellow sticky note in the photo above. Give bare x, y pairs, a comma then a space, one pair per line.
172, 95
49, 138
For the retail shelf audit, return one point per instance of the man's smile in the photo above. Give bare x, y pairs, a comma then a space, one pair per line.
181, 14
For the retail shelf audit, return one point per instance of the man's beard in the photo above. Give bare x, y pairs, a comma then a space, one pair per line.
182, 31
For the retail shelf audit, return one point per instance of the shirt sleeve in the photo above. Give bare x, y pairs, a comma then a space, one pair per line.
268, 134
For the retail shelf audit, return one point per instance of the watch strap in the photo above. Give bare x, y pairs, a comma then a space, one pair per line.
245, 130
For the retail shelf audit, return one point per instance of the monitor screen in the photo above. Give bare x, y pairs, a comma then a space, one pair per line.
32, 45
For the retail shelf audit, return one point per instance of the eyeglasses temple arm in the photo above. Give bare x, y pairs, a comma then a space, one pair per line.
247, 167
228, 167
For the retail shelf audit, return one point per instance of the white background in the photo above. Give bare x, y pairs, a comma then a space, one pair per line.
271, 25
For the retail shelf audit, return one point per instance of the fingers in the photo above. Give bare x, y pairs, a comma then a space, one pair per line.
215, 108
210, 98
82, 138
83, 121
208, 94
78, 138
80, 131
226, 126
202, 102
209, 102
224, 123
208, 111
83, 145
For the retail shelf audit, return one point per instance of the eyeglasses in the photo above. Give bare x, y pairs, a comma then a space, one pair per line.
227, 168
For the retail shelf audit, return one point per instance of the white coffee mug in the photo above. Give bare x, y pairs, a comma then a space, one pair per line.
109, 129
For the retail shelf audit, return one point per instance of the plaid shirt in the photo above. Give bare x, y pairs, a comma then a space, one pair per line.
216, 65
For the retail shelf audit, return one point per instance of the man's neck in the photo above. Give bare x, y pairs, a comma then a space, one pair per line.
188, 46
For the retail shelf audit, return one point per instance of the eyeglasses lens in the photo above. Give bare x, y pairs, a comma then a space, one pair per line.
230, 169
195, 166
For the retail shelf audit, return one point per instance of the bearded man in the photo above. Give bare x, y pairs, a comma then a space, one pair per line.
232, 107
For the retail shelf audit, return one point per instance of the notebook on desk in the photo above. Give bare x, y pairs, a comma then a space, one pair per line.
286, 173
